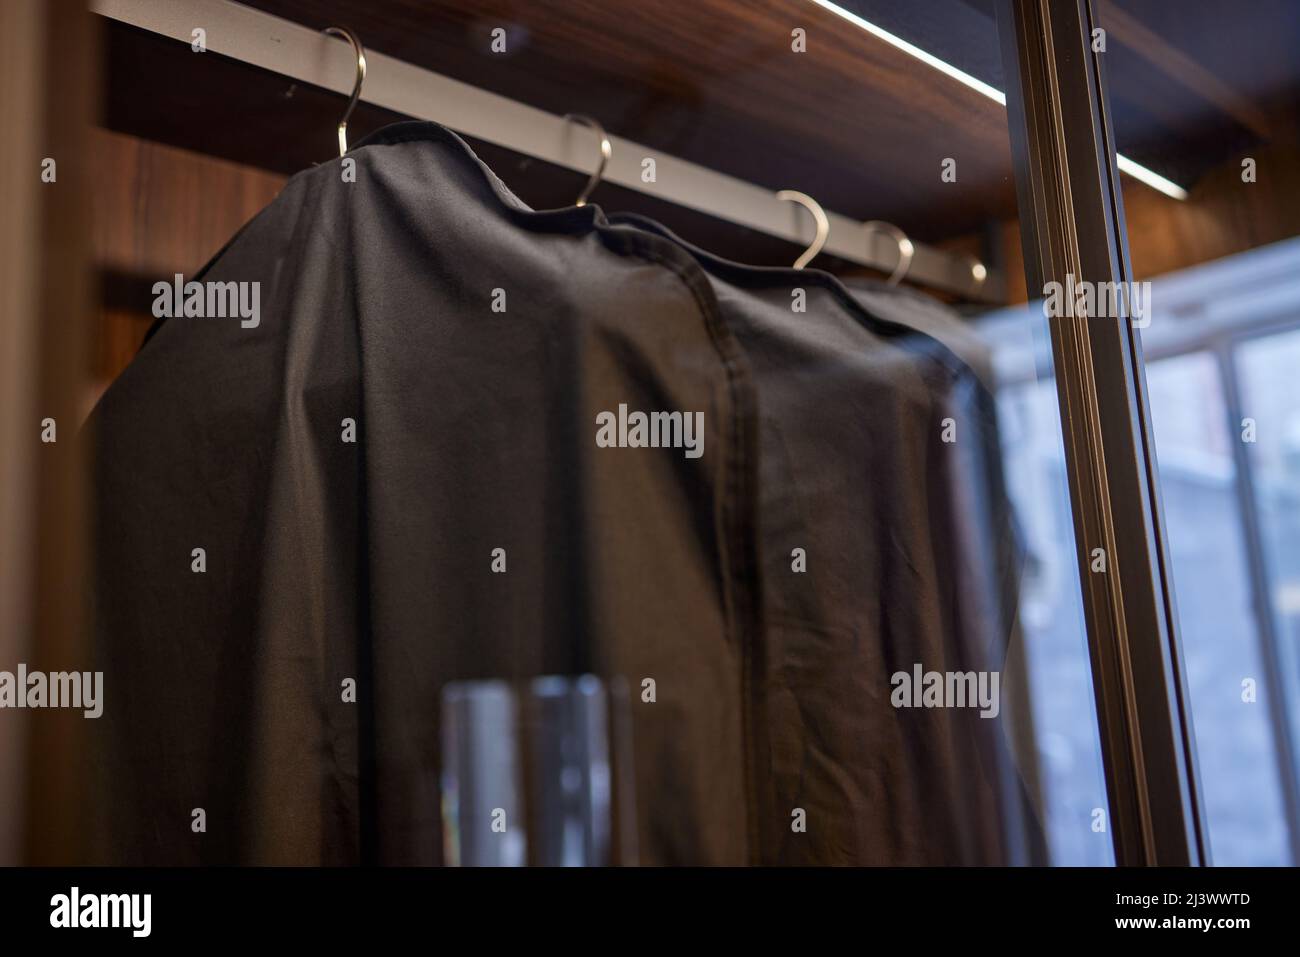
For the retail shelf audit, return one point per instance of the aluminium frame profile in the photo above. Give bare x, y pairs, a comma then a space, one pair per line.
308, 56
1072, 222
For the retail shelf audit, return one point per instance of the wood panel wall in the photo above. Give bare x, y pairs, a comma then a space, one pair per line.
1221, 216
158, 211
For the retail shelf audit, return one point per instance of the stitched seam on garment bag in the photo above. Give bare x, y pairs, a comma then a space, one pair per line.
741, 540
741, 573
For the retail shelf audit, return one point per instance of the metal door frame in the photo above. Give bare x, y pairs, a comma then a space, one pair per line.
1072, 222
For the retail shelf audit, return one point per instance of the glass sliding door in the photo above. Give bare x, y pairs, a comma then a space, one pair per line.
1207, 95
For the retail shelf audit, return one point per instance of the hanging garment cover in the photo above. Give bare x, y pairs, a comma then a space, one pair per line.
309, 524
421, 390
879, 462
996, 556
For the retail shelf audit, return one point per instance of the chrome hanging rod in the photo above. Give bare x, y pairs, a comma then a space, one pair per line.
309, 56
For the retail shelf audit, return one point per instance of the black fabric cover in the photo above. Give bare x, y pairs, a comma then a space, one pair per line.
854, 393
371, 561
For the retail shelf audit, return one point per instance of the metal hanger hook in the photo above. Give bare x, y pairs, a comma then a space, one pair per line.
606, 151
819, 215
906, 249
360, 51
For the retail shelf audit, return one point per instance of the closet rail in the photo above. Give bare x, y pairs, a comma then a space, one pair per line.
306, 55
